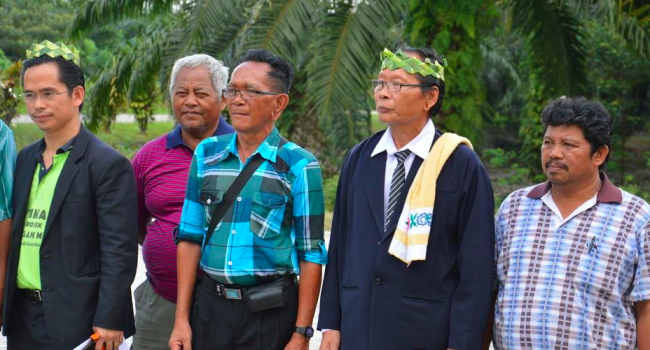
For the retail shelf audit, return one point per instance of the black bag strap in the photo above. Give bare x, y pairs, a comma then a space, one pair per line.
232, 192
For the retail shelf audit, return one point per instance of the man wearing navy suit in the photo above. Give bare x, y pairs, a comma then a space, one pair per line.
373, 300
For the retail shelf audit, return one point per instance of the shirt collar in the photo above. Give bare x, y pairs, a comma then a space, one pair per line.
420, 145
65, 148
174, 138
608, 193
268, 149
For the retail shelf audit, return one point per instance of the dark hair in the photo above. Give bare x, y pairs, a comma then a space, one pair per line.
281, 73
430, 53
69, 73
589, 116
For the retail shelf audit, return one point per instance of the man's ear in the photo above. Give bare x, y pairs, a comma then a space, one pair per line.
432, 98
223, 103
281, 102
78, 94
600, 155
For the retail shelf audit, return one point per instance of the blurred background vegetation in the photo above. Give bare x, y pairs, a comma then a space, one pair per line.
507, 59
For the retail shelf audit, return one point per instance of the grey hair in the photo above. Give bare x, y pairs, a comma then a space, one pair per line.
218, 72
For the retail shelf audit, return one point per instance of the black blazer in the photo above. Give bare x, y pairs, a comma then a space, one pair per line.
88, 257
374, 299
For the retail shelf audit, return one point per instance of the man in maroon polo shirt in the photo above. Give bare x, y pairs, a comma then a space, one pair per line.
161, 169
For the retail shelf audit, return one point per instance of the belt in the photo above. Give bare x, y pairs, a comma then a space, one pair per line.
32, 294
236, 292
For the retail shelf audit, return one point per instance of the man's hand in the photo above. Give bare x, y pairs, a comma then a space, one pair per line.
181, 338
331, 340
108, 339
298, 342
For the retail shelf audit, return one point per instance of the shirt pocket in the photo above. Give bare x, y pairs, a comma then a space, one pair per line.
267, 213
210, 200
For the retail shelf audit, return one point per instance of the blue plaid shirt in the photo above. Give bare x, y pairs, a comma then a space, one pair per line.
573, 285
275, 222
7, 165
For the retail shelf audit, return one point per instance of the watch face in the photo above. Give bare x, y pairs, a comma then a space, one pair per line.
309, 332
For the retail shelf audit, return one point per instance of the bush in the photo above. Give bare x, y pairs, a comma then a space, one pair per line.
329, 190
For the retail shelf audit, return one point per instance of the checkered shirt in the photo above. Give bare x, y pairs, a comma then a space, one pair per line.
275, 222
573, 287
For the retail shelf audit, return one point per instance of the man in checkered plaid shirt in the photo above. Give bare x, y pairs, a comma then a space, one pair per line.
573, 254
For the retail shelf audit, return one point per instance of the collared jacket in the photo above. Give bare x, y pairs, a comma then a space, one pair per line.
376, 300
88, 256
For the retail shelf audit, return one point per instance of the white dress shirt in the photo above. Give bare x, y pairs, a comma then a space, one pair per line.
419, 146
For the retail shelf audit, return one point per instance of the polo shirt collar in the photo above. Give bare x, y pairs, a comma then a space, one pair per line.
65, 148
174, 138
608, 193
268, 149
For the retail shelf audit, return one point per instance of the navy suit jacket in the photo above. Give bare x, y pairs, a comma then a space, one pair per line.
374, 299
89, 252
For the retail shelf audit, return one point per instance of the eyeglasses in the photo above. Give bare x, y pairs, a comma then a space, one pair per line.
246, 94
30, 97
378, 85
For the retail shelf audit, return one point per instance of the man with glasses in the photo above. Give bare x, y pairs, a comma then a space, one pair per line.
73, 253
247, 296
384, 289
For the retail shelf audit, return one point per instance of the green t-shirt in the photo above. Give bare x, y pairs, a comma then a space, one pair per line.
40, 200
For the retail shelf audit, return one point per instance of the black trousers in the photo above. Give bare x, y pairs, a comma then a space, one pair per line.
224, 324
27, 328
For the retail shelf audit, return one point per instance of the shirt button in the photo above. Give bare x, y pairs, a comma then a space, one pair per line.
234, 231
229, 263
377, 281
379, 243
238, 199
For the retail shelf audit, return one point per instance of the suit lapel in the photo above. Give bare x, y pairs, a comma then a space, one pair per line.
373, 171
68, 174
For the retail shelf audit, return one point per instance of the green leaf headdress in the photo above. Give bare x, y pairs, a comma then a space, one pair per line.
46, 47
412, 65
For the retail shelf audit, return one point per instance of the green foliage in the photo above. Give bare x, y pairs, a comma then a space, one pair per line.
4, 61
498, 157
27, 21
333, 46
329, 190
9, 83
454, 33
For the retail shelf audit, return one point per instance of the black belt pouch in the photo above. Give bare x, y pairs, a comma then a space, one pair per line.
266, 296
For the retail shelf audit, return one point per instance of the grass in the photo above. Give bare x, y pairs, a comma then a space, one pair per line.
124, 137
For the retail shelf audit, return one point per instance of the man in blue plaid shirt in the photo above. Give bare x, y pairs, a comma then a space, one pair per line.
573, 253
272, 232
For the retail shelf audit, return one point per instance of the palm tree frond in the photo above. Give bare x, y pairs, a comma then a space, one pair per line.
554, 41
346, 48
99, 12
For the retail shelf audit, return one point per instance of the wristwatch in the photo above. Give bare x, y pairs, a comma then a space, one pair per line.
306, 332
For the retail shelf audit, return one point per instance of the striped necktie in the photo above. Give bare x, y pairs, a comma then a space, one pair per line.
396, 184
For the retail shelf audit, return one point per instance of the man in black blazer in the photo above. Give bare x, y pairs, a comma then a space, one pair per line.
73, 252
370, 298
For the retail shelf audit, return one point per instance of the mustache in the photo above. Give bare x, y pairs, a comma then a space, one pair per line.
556, 164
